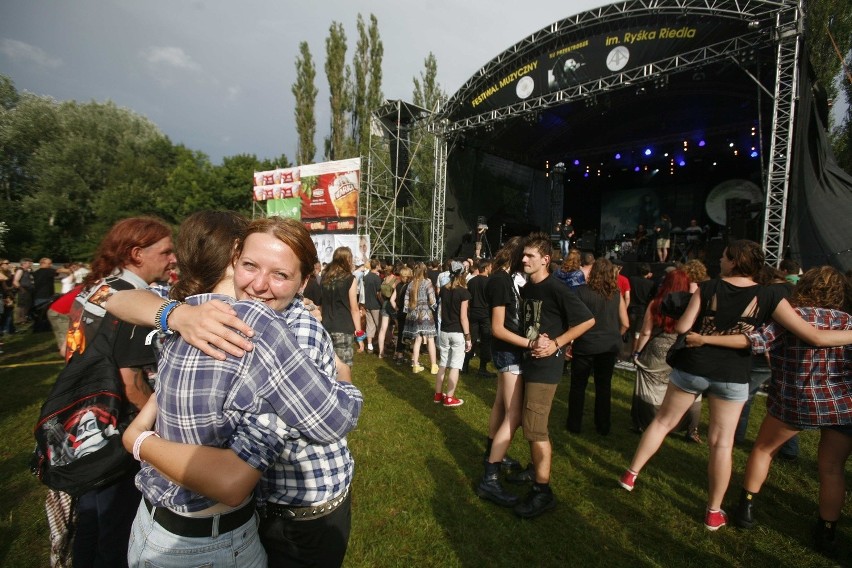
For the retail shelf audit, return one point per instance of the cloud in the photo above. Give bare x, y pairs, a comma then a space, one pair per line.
233, 93
170, 56
21, 52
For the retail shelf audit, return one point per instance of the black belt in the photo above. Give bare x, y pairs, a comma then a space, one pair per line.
197, 527
306, 513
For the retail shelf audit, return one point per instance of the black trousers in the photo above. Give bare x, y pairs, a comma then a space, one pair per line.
320, 543
104, 518
601, 364
480, 329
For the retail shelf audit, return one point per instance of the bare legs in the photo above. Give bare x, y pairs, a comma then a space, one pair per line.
834, 450
383, 330
452, 381
415, 348
505, 414
772, 435
675, 404
724, 415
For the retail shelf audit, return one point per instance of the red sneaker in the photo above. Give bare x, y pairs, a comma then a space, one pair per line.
627, 479
451, 401
438, 398
715, 520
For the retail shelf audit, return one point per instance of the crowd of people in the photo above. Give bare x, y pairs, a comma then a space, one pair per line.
242, 443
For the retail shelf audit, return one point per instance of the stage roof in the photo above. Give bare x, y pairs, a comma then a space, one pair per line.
623, 77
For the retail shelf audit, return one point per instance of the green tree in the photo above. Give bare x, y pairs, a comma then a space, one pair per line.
829, 22
305, 91
359, 118
337, 73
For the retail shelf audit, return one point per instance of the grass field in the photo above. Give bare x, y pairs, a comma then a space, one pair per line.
417, 462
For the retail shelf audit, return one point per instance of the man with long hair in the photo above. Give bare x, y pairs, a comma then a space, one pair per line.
134, 253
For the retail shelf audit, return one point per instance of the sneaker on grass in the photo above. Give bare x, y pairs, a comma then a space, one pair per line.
438, 398
715, 520
450, 401
627, 479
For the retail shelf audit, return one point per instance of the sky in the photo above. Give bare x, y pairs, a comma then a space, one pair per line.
215, 75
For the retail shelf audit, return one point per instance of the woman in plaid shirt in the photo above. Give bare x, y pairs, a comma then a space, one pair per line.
278, 427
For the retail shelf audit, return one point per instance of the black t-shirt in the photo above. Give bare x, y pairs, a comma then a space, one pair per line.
500, 291
372, 285
401, 287
336, 312
451, 301
549, 307
313, 292
605, 336
641, 293
478, 309
735, 310
43, 287
432, 275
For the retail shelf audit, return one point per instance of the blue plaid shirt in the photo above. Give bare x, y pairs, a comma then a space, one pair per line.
257, 405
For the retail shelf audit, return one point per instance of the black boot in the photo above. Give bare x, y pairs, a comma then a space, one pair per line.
539, 500
524, 476
489, 487
824, 537
744, 515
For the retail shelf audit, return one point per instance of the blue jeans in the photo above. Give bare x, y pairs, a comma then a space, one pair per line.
152, 545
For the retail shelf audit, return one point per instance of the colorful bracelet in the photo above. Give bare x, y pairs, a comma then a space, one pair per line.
137, 445
162, 318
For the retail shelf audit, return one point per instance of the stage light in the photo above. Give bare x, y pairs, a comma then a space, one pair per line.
666, 155
618, 156
730, 145
753, 154
636, 169
585, 175
576, 162
682, 163
647, 151
701, 143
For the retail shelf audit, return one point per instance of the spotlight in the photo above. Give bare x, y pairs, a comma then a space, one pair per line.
753, 154
576, 162
636, 169
618, 156
682, 163
701, 143
647, 151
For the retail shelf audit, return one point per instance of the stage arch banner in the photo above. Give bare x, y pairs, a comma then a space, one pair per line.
570, 61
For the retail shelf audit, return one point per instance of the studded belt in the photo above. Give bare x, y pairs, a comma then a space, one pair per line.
306, 513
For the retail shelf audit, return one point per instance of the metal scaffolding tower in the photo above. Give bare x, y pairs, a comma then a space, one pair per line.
788, 33
404, 186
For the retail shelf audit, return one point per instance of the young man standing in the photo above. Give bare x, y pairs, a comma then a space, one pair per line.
553, 317
372, 284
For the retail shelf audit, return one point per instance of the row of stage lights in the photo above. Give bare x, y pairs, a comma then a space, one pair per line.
678, 160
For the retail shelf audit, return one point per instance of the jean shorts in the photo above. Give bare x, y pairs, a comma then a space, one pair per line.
507, 361
696, 384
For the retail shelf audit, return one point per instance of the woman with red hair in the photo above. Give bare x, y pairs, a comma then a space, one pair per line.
652, 372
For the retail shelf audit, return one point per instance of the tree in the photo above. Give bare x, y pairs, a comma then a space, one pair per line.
361, 66
305, 91
337, 73
829, 22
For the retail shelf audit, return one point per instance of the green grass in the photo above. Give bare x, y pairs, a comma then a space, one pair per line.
417, 462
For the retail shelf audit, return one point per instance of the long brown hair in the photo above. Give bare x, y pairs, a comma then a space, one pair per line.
603, 278
116, 248
340, 266
823, 287
414, 288
204, 249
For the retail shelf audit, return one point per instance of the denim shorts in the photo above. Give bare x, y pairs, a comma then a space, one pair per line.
507, 361
696, 384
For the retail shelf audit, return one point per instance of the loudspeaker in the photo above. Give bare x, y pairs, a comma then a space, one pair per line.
400, 165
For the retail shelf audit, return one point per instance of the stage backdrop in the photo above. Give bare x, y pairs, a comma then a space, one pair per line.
358, 244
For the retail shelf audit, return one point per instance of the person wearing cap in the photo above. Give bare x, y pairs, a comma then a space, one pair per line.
455, 339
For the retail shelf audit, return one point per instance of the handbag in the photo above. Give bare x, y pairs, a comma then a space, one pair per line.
78, 432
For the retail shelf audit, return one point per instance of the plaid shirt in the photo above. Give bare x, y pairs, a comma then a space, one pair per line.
253, 404
308, 473
810, 386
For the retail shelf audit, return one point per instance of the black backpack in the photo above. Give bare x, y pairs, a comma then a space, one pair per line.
78, 433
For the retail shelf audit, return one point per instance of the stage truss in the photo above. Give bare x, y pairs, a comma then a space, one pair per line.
405, 183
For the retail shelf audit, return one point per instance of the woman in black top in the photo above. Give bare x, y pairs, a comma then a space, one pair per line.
396, 300
596, 349
340, 315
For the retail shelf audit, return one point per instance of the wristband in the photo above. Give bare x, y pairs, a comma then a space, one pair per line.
556, 342
137, 445
530, 344
161, 320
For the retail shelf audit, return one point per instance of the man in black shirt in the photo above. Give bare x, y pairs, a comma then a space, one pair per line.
479, 316
642, 291
553, 317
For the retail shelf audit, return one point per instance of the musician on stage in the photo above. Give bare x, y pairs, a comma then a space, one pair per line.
664, 233
694, 239
640, 242
566, 234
